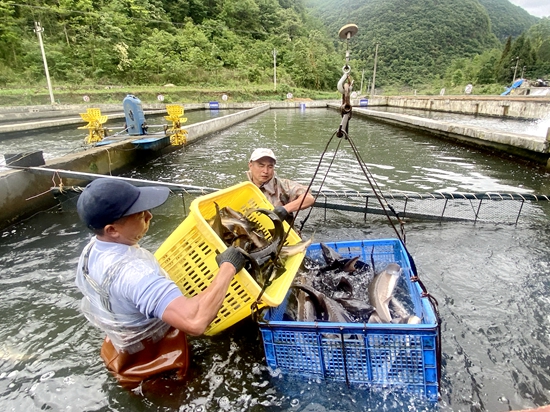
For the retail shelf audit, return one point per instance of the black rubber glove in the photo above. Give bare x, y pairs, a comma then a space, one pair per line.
282, 213
233, 256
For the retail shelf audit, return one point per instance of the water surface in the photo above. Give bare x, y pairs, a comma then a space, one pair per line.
491, 281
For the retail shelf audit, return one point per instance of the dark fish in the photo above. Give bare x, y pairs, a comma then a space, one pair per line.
358, 308
231, 213
340, 276
329, 254
344, 285
307, 307
264, 254
216, 223
326, 308
236, 229
335, 261
236, 225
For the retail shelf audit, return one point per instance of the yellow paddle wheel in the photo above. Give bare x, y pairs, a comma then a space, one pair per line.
178, 136
95, 125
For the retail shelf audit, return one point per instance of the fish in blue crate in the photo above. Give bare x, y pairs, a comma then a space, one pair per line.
401, 352
344, 289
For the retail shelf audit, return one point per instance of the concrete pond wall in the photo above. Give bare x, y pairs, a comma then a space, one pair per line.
513, 107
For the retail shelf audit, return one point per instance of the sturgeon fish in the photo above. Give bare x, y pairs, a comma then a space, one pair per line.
262, 255
327, 309
360, 309
335, 261
291, 250
381, 291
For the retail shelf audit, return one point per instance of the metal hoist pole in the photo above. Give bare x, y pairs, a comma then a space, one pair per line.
345, 83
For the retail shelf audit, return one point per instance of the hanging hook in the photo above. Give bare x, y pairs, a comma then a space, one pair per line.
345, 83
346, 33
346, 69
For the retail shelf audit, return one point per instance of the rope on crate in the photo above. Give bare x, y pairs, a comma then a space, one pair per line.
435, 305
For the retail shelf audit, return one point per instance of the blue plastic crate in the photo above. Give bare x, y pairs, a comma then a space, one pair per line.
384, 355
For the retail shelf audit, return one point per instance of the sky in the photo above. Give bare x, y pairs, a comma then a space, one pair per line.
538, 8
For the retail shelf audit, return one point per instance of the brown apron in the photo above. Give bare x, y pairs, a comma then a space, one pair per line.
170, 354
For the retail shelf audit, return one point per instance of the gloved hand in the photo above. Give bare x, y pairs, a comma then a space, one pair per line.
233, 256
281, 212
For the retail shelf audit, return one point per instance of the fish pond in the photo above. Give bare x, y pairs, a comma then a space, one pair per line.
490, 279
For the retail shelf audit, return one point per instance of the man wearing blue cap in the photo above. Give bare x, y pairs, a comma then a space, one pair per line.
287, 196
126, 292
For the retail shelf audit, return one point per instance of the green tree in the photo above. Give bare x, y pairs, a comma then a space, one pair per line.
243, 16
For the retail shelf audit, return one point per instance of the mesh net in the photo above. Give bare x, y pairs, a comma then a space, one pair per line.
506, 208
474, 207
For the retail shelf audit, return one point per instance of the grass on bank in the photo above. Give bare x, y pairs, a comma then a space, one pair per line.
113, 94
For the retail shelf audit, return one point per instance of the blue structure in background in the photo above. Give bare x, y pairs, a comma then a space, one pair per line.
214, 107
364, 102
515, 85
135, 118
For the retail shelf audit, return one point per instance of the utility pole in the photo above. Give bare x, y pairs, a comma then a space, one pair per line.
274, 70
361, 88
38, 29
373, 89
515, 70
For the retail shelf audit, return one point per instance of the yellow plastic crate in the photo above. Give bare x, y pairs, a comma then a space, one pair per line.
188, 255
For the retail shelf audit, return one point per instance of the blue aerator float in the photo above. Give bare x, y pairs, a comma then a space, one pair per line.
135, 118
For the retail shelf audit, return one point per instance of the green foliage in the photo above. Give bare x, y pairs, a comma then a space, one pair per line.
417, 39
507, 19
167, 41
426, 44
422, 41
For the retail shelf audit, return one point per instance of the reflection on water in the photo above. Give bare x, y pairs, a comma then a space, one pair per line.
398, 159
491, 282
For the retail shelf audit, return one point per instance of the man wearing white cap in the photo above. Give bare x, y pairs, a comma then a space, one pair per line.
285, 195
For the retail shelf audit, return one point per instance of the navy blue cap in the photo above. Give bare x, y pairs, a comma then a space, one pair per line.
105, 200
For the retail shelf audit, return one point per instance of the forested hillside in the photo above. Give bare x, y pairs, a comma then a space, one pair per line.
507, 19
166, 41
419, 40
237, 42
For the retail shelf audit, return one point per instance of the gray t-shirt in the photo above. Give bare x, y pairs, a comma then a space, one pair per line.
125, 292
